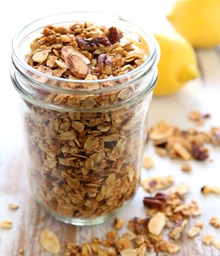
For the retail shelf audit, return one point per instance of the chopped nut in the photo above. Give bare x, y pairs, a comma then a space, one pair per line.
118, 223
123, 243
195, 115
210, 190
50, 242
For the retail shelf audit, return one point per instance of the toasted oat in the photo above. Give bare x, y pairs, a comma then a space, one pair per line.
216, 244
148, 162
49, 241
194, 231
173, 248
186, 168
13, 206
208, 239
199, 224
215, 222
6, 224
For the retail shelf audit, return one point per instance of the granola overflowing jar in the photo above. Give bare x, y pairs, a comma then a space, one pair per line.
85, 82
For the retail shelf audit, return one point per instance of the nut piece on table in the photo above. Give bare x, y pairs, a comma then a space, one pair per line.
157, 223
210, 190
50, 241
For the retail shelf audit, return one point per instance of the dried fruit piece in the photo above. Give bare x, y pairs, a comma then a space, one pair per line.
49, 241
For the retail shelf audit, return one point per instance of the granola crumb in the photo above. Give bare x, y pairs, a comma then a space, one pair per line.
6, 224
148, 162
13, 207
186, 168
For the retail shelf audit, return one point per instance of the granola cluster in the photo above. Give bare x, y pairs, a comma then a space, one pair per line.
171, 141
85, 157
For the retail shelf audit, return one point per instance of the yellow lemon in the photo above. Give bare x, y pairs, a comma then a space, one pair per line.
198, 21
177, 64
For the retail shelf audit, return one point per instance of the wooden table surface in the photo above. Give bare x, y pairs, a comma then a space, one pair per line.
29, 219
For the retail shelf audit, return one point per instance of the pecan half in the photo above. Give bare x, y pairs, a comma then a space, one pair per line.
114, 35
156, 202
92, 44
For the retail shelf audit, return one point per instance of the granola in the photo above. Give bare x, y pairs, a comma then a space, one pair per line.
169, 140
85, 156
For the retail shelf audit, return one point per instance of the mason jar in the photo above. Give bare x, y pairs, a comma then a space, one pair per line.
85, 82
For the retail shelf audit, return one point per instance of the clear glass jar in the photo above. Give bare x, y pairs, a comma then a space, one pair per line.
84, 139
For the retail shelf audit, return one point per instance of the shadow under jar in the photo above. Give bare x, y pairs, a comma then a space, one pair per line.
85, 82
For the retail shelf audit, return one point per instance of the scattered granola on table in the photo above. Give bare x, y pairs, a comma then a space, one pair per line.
176, 143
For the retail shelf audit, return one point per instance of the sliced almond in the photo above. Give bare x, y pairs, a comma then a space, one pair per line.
157, 223
50, 241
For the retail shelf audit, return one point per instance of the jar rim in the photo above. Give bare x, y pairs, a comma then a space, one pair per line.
21, 65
